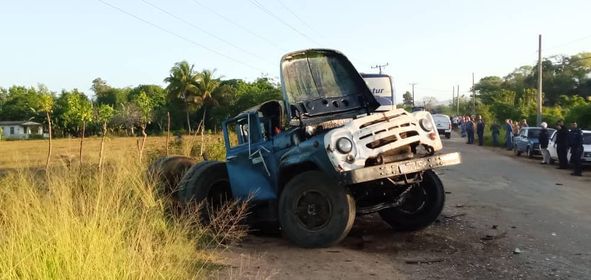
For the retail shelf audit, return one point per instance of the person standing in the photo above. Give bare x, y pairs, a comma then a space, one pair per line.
524, 123
495, 128
508, 134
543, 139
576, 149
480, 130
470, 130
562, 136
463, 126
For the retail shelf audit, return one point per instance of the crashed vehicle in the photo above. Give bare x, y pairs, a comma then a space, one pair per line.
321, 157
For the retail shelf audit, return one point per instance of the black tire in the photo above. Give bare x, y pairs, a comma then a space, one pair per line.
421, 208
207, 183
516, 150
447, 135
529, 152
552, 161
166, 173
314, 211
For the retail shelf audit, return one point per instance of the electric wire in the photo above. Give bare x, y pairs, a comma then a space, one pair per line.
180, 36
295, 15
268, 12
270, 42
188, 23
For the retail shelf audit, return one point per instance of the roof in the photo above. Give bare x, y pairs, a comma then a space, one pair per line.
21, 123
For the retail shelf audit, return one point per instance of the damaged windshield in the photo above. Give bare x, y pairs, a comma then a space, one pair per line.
317, 76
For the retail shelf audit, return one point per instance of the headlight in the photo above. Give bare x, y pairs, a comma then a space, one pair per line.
426, 125
344, 145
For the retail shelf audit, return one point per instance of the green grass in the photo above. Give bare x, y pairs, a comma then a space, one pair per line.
79, 223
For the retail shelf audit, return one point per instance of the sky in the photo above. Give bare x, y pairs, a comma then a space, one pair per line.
437, 44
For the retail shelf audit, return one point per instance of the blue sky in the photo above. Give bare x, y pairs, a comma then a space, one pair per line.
437, 44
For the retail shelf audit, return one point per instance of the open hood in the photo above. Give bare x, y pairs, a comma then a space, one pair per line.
321, 85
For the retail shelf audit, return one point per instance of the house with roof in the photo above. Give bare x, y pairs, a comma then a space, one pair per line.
20, 129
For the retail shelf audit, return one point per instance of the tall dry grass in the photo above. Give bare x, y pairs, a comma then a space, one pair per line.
77, 223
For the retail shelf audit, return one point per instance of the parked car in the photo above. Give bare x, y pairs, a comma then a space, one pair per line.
443, 124
586, 148
527, 141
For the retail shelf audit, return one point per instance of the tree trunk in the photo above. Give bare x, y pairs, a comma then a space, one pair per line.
82, 140
143, 141
202, 132
167, 131
49, 148
102, 146
188, 118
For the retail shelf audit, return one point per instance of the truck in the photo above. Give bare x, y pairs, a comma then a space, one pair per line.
323, 155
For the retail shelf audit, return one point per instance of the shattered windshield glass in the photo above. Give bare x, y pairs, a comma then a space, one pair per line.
319, 75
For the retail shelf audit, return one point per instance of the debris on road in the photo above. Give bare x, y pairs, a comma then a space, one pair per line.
554, 234
558, 184
459, 205
425, 261
454, 216
494, 226
517, 251
489, 237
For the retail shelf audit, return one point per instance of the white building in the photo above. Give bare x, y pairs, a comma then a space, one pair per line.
19, 129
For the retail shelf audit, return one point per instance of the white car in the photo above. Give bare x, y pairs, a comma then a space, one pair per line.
586, 156
443, 124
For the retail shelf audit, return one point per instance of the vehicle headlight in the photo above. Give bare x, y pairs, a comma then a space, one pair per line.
344, 145
426, 124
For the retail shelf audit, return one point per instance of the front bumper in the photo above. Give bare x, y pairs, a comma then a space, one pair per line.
398, 168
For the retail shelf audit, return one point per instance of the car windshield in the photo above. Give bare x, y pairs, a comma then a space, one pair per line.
587, 139
315, 75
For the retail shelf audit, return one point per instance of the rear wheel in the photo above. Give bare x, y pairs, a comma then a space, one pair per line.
166, 172
314, 211
421, 207
448, 135
207, 185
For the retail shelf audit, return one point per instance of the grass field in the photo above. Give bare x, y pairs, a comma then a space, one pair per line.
75, 222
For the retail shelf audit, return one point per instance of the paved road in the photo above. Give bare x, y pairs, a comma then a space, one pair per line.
495, 204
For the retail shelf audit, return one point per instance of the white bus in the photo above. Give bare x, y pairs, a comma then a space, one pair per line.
382, 88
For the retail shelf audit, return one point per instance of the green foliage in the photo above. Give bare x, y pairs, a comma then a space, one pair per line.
104, 113
407, 99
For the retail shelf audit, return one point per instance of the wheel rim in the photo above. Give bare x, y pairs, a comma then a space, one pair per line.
415, 201
313, 210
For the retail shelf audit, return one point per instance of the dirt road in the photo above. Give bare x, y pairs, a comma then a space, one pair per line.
505, 218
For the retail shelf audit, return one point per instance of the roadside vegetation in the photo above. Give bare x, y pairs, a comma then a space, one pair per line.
566, 94
76, 221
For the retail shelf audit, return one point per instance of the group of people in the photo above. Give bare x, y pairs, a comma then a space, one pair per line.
470, 124
565, 140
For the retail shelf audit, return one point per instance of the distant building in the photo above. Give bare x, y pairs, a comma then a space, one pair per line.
20, 129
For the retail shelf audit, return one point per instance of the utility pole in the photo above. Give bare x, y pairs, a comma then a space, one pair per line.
453, 97
380, 67
539, 113
458, 108
474, 96
413, 93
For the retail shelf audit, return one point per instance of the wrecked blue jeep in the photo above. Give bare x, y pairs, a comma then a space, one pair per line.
321, 156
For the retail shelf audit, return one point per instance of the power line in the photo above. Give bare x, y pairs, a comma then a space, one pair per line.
203, 30
270, 42
180, 36
568, 43
295, 15
268, 12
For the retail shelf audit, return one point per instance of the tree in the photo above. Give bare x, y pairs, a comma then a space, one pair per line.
103, 115
145, 106
182, 84
407, 98
46, 106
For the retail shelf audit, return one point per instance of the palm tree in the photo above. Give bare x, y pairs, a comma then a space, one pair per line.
182, 83
206, 89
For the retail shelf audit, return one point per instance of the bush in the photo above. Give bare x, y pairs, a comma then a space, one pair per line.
78, 224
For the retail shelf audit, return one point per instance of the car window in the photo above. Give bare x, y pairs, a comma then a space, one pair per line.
587, 138
533, 133
523, 132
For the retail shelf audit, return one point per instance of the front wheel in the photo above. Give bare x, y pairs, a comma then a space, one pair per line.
447, 135
529, 153
314, 211
516, 150
421, 207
